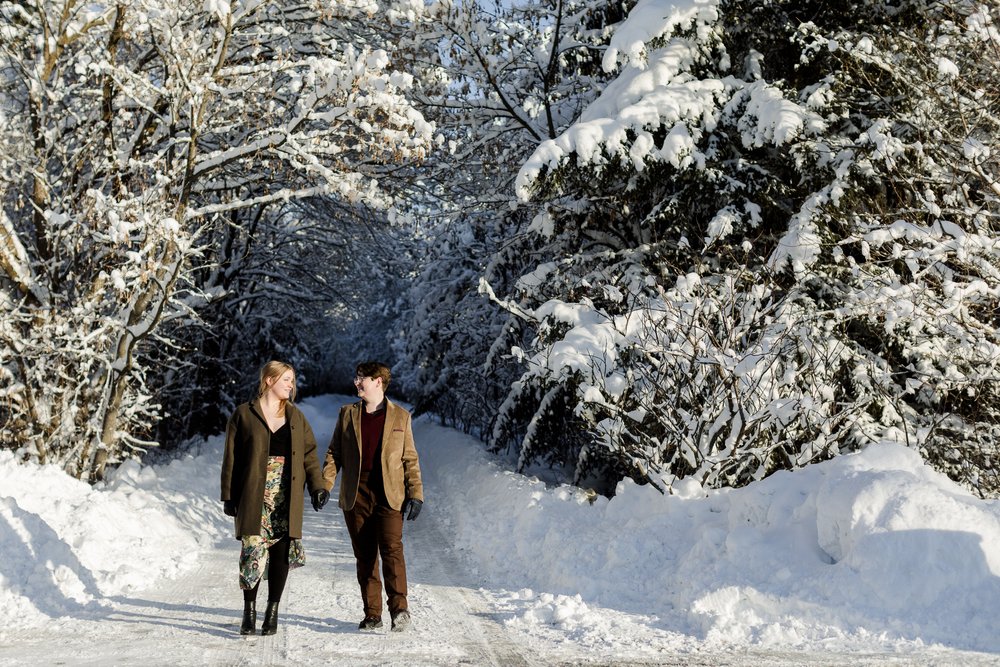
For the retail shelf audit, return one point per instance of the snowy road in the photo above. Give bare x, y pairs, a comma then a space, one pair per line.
193, 620
502, 570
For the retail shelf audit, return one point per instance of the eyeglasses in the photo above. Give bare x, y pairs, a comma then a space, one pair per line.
358, 379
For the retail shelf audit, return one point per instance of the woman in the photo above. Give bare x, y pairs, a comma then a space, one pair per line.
270, 455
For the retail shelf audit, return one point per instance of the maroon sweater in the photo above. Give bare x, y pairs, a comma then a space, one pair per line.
371, 437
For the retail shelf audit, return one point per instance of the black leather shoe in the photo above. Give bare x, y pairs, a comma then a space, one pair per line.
249, 625
370, 623
400, 621
270, 624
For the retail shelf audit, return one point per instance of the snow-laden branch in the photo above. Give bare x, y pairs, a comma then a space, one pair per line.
15, 262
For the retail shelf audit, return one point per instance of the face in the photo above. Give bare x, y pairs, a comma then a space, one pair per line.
366, 385
282, 387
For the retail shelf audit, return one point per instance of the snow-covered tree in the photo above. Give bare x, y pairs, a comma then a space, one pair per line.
770, 240
128, 133
502, 79
278, 281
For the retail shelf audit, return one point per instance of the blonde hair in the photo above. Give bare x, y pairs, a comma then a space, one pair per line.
274, 370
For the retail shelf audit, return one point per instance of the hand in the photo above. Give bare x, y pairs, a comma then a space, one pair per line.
229, 507
411, 508
319, 498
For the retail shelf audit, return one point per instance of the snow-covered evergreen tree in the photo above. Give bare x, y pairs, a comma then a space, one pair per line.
503, 79
770, 240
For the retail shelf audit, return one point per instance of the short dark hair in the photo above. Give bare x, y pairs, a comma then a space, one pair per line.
375, 369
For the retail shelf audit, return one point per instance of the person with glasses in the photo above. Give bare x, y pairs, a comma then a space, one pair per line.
372, 445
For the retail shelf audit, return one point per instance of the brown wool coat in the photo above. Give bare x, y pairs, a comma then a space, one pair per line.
244, 466
400, 466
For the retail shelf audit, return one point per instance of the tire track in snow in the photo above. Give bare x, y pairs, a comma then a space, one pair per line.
431, 551
452, 623
212, 593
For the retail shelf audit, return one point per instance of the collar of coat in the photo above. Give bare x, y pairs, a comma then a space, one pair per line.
392, 413
391, 409
258, 411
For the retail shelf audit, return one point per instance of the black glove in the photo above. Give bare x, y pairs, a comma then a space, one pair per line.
229, 507
411, 508
319, 498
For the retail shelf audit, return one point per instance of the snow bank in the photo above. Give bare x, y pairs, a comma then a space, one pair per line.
65, 545
869, 552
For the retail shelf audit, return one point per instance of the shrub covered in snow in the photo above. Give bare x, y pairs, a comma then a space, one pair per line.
770, 240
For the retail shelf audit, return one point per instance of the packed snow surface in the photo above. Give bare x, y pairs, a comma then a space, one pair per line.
871, 557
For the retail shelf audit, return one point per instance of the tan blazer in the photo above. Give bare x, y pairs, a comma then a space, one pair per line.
400, 467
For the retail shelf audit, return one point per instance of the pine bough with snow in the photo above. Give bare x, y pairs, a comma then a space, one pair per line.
771, 239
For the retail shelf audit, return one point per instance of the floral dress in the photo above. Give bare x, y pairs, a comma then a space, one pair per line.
273, 519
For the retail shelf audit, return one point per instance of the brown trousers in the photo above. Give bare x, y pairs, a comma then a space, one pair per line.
377, 529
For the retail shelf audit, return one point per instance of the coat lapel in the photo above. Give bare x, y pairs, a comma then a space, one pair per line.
259, 412
356, 423
390, 419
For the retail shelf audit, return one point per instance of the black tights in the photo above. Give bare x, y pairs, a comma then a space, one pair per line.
277, 572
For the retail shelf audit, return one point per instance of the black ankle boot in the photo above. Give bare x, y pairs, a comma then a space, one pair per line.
249, 625
270, 624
